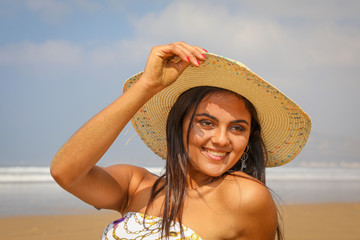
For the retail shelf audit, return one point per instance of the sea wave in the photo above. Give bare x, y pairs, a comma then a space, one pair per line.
42, 174
313, 174
37, 174
25, 174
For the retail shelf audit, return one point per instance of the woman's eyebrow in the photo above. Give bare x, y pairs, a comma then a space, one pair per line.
214, 118
241, 121
206, 115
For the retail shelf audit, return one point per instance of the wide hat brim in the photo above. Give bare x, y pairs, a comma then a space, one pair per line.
285, 126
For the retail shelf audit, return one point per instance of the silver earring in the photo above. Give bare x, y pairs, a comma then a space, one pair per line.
244, 157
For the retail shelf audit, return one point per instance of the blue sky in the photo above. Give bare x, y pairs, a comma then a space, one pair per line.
63, 61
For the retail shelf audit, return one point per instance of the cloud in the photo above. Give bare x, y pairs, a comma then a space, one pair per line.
264, 36
52, 52
319, 11
66, 55
233, 32
269, 32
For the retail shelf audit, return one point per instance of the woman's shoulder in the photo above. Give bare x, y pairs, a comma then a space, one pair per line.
248, 192
242, 180
251, 199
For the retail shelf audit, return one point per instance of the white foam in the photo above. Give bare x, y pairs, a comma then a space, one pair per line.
42, 174
316, 174
36, 174
25, 174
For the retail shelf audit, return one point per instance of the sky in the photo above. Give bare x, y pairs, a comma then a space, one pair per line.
63, 61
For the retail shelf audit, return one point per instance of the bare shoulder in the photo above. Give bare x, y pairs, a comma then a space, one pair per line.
245, 186
253, 201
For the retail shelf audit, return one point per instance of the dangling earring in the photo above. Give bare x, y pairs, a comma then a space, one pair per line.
244, 157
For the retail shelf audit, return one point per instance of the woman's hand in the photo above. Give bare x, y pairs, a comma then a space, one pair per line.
167, 62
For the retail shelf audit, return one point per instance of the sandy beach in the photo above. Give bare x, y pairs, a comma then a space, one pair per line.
330, 221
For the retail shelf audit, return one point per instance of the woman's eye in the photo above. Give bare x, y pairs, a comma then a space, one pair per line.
238, 128
206, 123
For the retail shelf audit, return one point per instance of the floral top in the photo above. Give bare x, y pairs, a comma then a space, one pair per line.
131, 226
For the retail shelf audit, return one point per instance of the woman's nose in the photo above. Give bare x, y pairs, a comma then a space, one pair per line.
220, 137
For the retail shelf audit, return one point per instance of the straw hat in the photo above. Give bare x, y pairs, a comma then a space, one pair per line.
285, 126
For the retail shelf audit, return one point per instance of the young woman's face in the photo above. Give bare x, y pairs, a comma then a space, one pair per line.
219, 133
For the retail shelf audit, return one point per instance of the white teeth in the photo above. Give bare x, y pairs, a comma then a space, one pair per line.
218, 154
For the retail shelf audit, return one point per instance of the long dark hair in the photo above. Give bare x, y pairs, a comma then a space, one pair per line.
174, 180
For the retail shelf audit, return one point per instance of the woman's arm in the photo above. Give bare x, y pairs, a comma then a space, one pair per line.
73, 167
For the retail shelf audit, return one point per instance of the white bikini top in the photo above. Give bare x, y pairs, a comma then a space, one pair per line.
131, 226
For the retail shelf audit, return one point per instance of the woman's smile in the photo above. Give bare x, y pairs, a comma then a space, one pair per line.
214, 154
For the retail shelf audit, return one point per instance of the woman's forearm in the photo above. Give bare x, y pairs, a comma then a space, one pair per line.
84, 149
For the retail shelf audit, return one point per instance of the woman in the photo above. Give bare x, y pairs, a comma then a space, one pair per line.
224, 125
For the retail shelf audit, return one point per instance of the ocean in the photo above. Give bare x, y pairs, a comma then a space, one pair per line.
31, 190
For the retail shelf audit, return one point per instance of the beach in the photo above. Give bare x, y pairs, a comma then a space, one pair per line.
330, 221
314, 204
